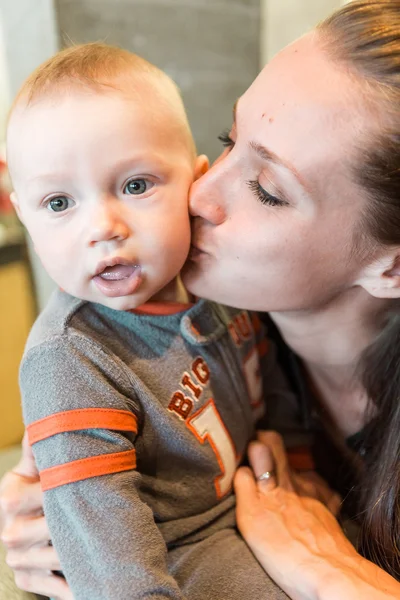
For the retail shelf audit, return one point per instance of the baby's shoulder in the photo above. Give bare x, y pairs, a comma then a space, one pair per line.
55, 319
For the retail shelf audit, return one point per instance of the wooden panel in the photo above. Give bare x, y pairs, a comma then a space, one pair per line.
16, 317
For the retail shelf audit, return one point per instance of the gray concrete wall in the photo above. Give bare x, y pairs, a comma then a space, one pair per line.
30, 36
209, 47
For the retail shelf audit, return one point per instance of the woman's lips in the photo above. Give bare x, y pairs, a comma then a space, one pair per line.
119, 280
195, 253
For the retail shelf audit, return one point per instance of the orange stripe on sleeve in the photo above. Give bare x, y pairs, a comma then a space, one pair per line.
87, 468
85, 418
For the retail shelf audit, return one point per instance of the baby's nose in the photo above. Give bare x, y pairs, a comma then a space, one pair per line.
108, 226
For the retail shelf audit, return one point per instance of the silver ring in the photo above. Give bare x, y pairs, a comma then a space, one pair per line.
266, 475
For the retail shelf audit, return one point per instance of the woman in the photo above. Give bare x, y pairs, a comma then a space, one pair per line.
300, 218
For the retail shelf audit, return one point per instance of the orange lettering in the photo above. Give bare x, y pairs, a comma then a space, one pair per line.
181, 405
188, 383
201, 370
242, 323
234, 334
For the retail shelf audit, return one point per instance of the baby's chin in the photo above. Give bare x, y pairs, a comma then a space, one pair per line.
122, 303
149, 290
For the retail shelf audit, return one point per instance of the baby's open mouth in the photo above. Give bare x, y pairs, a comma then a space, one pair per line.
118, 280
117, 272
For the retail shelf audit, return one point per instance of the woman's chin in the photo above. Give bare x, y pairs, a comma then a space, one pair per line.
196, 280
190, 274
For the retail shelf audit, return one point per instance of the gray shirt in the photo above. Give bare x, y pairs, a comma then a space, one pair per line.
189, 383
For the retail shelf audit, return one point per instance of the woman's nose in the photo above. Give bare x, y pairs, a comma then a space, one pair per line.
206, 198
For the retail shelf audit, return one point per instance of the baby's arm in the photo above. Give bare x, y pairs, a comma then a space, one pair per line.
108, 543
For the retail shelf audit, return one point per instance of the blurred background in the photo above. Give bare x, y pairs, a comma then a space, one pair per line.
213, 49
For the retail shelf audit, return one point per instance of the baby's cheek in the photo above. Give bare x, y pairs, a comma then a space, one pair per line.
57, 265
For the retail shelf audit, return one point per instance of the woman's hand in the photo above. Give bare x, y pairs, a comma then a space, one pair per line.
287, 530
296, 538
25, 534
304, 483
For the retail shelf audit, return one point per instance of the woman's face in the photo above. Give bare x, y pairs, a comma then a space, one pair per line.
277, 216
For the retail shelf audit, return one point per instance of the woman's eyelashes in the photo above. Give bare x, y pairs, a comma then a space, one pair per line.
260, 193
263, 196
226, 140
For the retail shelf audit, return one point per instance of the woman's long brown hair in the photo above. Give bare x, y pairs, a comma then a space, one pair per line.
364, 35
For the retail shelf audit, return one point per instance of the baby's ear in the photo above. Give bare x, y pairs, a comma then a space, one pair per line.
201, 166
15, 203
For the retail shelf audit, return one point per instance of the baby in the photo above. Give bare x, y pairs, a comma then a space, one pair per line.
139, 401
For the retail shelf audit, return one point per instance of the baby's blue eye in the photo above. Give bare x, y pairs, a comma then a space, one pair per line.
135, 187
60, 203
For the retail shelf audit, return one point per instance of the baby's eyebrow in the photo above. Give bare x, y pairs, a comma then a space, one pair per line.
48, 177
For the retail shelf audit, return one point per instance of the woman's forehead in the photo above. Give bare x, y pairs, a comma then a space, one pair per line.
303, 73
304, 107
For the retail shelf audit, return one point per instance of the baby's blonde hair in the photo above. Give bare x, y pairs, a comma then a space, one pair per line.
101, 67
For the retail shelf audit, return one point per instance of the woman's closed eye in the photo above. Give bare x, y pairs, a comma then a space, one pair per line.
226, 140
263, 196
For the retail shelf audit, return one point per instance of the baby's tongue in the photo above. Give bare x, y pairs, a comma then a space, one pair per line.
117, 272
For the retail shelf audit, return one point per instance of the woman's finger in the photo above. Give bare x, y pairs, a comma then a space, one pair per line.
263, 465
334, 504
35, 558
255, 508
24, 532
274, 442
44, 583
20, 491
27, 466
246, 491
20, 495
311, 484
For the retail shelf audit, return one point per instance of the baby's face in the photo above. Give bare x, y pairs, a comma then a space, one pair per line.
101, 183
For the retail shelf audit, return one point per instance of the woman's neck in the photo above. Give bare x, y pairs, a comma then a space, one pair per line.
330, 342
334, 335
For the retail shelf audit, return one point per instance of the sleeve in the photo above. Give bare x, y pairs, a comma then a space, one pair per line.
282, 412
80, 411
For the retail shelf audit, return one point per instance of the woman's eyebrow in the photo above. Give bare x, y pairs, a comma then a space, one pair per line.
266, 154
